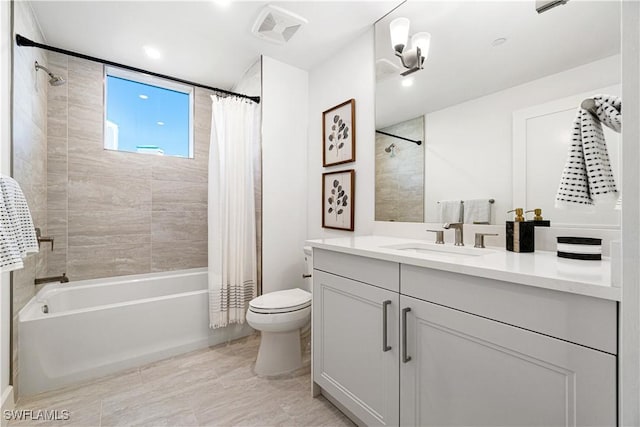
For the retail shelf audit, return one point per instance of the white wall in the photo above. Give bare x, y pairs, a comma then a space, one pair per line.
629, 374
468, 150
348, 74
285, 91
6, 399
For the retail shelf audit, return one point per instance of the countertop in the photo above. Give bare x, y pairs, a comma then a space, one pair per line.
540, 269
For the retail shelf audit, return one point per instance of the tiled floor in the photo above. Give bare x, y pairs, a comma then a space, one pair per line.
214, 386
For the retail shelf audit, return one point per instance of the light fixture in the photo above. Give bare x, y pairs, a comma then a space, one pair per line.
412, 57
152, 52
143, 96
407, 82
222, 3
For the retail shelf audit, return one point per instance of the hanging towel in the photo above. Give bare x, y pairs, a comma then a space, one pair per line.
17, 234
450, 211
477, 211
587, 178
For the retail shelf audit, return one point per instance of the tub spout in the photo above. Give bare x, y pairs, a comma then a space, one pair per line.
61, 279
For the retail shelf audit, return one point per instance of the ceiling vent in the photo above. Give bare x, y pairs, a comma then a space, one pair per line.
277, 25
385, 69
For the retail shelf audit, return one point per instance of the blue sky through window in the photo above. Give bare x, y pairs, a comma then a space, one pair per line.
147, 115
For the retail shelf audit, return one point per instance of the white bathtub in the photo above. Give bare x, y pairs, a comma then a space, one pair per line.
97, 327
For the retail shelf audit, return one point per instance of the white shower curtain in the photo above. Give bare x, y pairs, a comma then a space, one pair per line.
235, 129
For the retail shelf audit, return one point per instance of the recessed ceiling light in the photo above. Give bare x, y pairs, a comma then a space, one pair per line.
222, 3
498, 41
407, 81
160, 123
143, 96
152, 52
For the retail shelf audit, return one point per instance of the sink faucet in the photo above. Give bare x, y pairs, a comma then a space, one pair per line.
457, 226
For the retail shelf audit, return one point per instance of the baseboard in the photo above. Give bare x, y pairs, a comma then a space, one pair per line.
7, 405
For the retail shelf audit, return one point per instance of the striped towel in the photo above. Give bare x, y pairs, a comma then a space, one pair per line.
587, 178
17, 234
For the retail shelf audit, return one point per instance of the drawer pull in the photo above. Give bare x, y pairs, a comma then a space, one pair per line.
405, 358
385, 346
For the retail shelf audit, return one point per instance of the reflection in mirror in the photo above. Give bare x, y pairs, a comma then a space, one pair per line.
400, 172
478, 79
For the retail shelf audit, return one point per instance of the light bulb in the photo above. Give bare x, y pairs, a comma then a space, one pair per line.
399, 29
423, 41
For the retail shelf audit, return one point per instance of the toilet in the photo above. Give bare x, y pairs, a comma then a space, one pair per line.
280, 317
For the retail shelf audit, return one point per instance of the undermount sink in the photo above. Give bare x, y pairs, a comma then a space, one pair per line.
430, 248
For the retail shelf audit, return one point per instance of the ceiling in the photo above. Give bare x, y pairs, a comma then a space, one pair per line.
201, 41
463, 64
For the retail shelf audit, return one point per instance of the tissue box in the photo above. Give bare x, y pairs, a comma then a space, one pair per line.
584, 248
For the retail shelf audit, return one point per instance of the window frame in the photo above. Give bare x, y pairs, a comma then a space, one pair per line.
138, 77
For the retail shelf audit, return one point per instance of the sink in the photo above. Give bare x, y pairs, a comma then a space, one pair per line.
431, 248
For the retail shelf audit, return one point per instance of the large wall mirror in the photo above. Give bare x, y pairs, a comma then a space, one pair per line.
493, 106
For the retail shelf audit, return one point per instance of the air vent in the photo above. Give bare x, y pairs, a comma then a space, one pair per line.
385, 69
277, 25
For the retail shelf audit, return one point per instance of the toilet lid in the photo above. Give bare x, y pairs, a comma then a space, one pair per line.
281, 301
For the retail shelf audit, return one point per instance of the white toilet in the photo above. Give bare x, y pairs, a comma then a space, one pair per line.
280, 316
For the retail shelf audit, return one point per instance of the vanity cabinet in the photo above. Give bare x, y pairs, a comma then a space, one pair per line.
356, 342
468, 370
462, 350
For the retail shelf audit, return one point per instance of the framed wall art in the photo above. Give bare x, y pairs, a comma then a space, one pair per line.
338, 196
339, 134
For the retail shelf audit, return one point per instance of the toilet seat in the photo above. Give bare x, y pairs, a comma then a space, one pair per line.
281, 302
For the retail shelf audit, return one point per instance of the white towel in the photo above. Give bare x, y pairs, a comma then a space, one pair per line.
450, 211
587, 178
478, 211
17, 234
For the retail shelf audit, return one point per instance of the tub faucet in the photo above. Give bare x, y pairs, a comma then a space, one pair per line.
457, 226
61, 279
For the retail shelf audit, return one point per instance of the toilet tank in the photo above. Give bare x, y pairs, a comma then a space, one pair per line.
308, 269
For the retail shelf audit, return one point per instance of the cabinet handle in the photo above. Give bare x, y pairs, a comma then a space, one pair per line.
405, 357
385, 346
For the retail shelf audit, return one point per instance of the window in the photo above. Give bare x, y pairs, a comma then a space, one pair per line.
145, 114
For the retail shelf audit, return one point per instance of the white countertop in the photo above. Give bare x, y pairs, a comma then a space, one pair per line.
540, 269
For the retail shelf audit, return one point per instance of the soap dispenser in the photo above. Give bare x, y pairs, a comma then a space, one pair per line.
538, 221
520, 233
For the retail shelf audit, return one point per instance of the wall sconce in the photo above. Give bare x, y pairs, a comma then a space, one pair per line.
412, 58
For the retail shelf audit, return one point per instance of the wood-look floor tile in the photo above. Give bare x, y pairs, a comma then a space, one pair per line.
209, 387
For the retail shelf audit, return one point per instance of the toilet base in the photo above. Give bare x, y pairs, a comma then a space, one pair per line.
279, 353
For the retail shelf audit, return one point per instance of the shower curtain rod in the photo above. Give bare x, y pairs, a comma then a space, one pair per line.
23, 41
417, 142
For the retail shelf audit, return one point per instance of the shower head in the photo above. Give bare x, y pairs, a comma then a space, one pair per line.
389, 148
53, 79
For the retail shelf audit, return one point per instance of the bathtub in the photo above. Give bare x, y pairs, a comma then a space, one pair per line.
87, 329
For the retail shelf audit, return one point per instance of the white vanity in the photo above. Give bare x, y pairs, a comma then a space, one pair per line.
410, 333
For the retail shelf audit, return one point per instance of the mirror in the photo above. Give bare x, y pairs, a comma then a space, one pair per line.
493, 104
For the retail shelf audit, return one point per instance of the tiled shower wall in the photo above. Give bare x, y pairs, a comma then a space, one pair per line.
115, 213
400, 178
29, 157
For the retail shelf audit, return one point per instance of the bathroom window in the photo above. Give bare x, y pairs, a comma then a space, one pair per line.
146, 114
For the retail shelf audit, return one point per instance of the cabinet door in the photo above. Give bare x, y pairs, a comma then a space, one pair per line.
472, 371
349, 361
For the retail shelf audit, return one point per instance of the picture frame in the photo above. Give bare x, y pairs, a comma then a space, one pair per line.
339, 134
338, 199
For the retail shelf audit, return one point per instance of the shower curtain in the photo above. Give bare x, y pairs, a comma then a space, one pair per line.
235, 129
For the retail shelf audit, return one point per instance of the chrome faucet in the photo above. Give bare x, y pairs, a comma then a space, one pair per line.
457, 226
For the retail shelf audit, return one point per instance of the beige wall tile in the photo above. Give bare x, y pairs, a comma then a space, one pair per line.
56, 190
109, 260
178, 225
87, 228
97, 193
177, 196
178, 255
